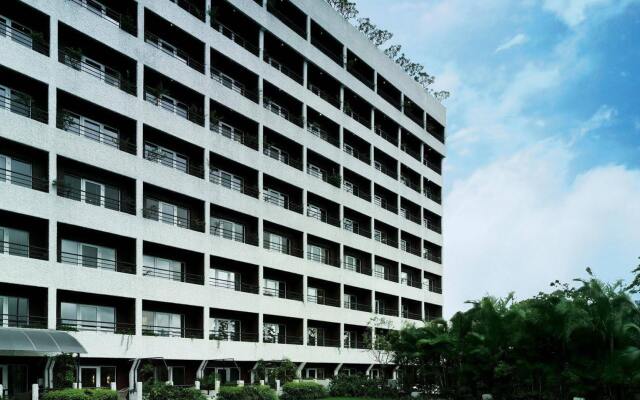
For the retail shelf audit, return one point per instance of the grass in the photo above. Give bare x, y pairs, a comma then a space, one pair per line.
351, 398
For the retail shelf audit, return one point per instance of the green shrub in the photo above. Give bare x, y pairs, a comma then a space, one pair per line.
80, 394
253, 392
162, 391
64, 371
208, 382
303, 391
360, 385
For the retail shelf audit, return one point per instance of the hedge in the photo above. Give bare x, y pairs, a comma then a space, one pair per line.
360, 385
303, 391
80, 394
162, 391
253, 392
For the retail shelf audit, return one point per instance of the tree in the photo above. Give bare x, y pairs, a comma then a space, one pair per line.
372, 32
345, 8
379, 340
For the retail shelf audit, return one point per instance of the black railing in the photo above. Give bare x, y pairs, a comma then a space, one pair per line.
394, 101
281, 111
24, 107
432, 256
411, 249
367, 81
125, 205
328, 259
387, 311
386, 170
393, 139
359, 118
23, 321
338, 58
323, 134
433, 195
411, 315
96, 262
167, 161
434, 287
282, 339
408, 183
66, 324
357, 343
233, 185
109, 75
24, 250
284, 203
179, 276
387, 206
187, 113
411, 217
124, 22
241, 237
323, 300
433, 166
283, 68
30, 40
413, 153
356, 229
68, 124
234, 285
411, 282
386, 240
230, 34
232, 336
359, 193
359, 268
331, 99
362, 156
177, 53
188, 223
234, 134
20, 179
322, 342
230, 83
292, 162
357, 306
386, 275
170, 331
323, 217
282, 16
282, 248
282, 293
190, 8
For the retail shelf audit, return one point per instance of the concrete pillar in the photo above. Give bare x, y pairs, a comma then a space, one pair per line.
336, 371
207, 10
139, 261
373, 118
207, 269
304, 116
207, 217
1, 391
140, 19
308, 26
52, 307
305, 285
205, 322
344, 57
196, 385
342, 97
138, 316
138, 391
305, 73
261, 43
260, 138
402, 102
240, 382
304, 331
375, 81
113, 386
260, 314
34, 391
341, 338
53, 54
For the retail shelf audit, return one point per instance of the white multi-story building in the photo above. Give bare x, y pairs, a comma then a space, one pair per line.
203, 184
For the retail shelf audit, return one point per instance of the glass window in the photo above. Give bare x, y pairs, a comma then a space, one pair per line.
273, 333
277, 198
272, 287
107, 376
14, 311
14, 241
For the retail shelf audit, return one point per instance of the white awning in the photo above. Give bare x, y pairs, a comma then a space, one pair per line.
23, 341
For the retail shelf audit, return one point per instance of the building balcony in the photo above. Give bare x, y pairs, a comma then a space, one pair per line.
23, 306
290, 15
80, 312
233, 275
23, 166
282, 330
233, 84
25, 26
357, 261
236, 26
164, 262
173, 97
323, 334
326, 43
280, 148
323, 292
22, 95
173, 209
283, 285
193, 7
171, 320
120, 14
233, 125
23, 236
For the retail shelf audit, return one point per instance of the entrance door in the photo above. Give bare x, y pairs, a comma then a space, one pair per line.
89, 377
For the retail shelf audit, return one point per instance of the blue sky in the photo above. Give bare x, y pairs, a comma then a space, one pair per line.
543, 163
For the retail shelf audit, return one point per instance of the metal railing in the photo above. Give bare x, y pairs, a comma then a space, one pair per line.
411, 217
282, 293
327, 260
233, 336
29, 40
230, 83
233, 133
323, 134
286, 204
333, 100
367, 81
411, 282
411, 315
282, 68
110, 76
410, 249
357, 306
432, 166
323, 217
387, 311
241, 237
277, 109
24, 107
282, 339
191, 8
362, 156
430, 194
359, 193
171, 331
433, 226
393, 139
282, 248
387, 171
171, 275
338, 58
411, 113
386, 275
23, 250
189, 114
23, 321
387, 205
184, 166
434, 287
127, 205
238, 39
234, 285
96, 262
357, 343
411, 185
69, 125
356, 229
178, 54
413, 153
356, 268
386, 240
432, 256
66, 324
292, 162
323, 300
322, 342
359, 118
396, 102
20, 179
229, 184
188, 223
124, 22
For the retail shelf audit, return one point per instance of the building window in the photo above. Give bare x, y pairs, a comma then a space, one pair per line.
163, 268
277, 153
166, 212
227, 179
316, 212
227, 229
316, 171
97, 376
315, 295
225, 329
314, 373
14, 311
275, 197
88, 255
14, 242
15, 171
91, 129
350, 301
177, 375
273, 333
349, 338
16, 101
84, 317
226, 279
351, 263
157, 323
274, 288
315, 336
16, 32
276, 242
348, 149
165, 156
90, 192
318, 253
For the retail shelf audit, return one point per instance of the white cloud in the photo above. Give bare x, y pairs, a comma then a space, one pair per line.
574, 12
603, 116
517, 40
522, 222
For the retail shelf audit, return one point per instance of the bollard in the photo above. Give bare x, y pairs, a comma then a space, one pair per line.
112, 385
197, 385
240, 382
217, 386
261, 382
169, 383
34, 391
138, 391
74, 385
487, 397
1, 390
278, 390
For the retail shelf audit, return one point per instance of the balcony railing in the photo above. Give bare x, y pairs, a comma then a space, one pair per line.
411, 315
233, 185
171, 275
171, 331
282, 248
387, 205
411, 282
359, 193
433, 195
191, 8
367, 81
386, 240
282, 16
278, 201
233, 336
241, 237
338, 58
386, 275
283, 68
359, 268
20, 179
109, 75
357, 229
124, 22
358, 117
234, 285
190, 114
434, 287
432, 256
230, 83
125, 205
24, 107
172, 219
413, 153
387, 311
331, 99
323, 217
292, 162
323, 300
233, 133
394, 101
23, 321
411, 217
432, 165
415, 250
411, 185
393, 139
76, 325
23, 250
357, 306
230, 34
173, 51
96, 262
323, 342
281, 111
171, 162
323, 134
360, 155
392, 173
68, 124
433, 226
357, 343
327, 260
282, 293
29, 40
282, 339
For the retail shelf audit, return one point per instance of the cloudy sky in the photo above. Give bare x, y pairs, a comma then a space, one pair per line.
543, 163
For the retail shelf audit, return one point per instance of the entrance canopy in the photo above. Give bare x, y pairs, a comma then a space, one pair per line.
19, 341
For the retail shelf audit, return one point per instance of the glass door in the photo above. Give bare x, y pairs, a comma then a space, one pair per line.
89, 377
93, 192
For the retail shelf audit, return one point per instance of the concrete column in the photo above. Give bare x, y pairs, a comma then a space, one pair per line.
304, 332
261, 42
341, 137
424, 120
207, 9
341, 338
140, 19
205, 321
53, 55
34, 391
305, 73
139, 260
372, 123
260, 91
375, 81
399, 136
207, 268
402, 102
344, 57
260, 220
304, 117
52, 307
342, 97
308, 26
305, 285
260, 138
260, 314
207, 217
138, 317
52, 240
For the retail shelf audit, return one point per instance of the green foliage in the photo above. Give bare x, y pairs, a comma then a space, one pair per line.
284, 371
208, 382
161, 391
304, 390
80, 394
64, 371
253, 392
578, 341
359, 385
